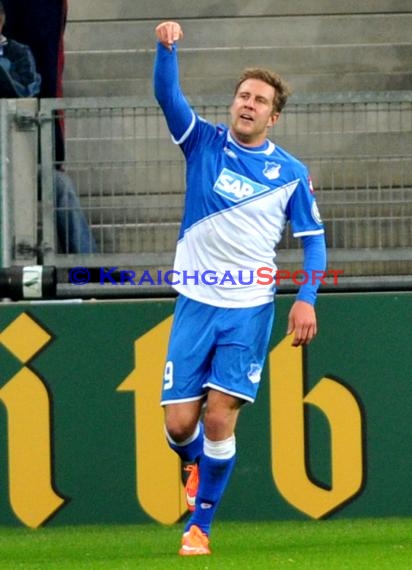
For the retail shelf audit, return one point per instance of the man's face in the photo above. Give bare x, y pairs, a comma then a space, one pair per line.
252, 112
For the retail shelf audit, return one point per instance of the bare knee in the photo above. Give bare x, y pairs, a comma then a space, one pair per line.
179, 431
181, 420
221, 416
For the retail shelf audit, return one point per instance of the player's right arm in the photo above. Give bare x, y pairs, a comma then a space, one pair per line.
179, 115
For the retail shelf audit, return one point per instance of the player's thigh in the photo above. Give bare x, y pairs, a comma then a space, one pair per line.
190, 351
241, 352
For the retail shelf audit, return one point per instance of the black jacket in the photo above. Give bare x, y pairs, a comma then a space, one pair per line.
18, 62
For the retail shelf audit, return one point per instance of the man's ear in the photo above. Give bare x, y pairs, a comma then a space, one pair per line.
273, 119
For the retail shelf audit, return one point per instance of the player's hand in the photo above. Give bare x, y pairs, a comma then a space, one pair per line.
302, 322
168, 33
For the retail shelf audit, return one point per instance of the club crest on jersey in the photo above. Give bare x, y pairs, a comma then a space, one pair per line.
272, 170
236, 187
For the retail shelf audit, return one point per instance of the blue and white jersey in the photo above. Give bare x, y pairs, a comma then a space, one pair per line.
238, 200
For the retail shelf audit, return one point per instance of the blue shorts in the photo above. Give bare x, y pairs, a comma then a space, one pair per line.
218, 348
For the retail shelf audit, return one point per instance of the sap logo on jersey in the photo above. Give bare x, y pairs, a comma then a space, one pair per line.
236, 187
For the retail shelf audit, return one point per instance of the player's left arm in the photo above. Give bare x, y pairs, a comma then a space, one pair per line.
302, 316
307, 225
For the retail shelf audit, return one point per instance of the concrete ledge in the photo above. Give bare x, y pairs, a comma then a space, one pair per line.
181, 9
301, 83
245, 33
215, 73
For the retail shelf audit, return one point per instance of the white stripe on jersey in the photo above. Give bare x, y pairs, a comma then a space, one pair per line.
208, 245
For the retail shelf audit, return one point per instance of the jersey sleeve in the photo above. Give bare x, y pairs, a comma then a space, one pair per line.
178, 113
302, 210
314, 265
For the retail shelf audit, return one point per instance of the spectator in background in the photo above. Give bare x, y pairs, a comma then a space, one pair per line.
18, 75
41, 25
72, 227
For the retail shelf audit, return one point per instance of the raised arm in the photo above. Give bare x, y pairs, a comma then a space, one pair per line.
178, 113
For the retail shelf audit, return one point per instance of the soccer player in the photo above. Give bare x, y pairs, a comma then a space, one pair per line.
241, 189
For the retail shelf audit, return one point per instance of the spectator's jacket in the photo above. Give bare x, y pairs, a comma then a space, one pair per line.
18, 61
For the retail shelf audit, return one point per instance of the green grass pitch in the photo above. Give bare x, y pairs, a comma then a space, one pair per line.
361, 544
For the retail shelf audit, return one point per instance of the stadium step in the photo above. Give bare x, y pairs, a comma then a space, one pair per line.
315, 45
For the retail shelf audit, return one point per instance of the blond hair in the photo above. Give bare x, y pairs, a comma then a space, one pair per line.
282, 90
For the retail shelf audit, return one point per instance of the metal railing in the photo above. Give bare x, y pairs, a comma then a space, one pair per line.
129, 178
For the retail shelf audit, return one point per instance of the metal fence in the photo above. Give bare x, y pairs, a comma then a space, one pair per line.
129, 179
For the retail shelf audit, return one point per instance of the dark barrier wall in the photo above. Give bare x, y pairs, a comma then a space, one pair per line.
82, 433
